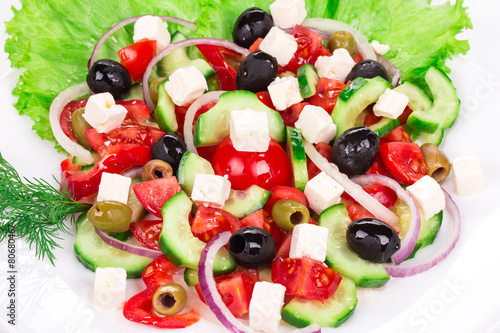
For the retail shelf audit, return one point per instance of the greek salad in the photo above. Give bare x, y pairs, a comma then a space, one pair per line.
263, 179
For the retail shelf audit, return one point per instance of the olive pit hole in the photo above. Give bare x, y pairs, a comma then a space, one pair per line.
296, 218
167, 300
237, 244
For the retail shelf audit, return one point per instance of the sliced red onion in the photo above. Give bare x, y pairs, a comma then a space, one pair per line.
329, 26
353, 189
98, 45
133, 173
130, 248
414, 266
212, 96
172, 47
55, 111
212, 296
391, 70
408, 243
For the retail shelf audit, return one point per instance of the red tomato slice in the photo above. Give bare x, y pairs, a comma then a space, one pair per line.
327, 93
208, 222
404, 161
284, 193
309, 48
236, 290
284, 249
159, 272
264, 220
396, 135
256, 45
378, 167
265, 98
153, 194
325, 150
147, 232
136, 57
383, 194
291, 115
244, 169
66, 114
305, 277
137, 110
355, 211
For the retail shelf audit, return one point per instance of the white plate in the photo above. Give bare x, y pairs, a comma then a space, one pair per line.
459, 295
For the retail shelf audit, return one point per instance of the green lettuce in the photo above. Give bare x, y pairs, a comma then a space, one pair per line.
52, 40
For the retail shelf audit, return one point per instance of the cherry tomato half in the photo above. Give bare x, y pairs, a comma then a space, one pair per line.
404, 160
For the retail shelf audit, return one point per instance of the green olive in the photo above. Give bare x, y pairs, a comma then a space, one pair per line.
342, 40
153, 88
288, 213
110, 216
438, 165
169, 299
155, 169
79, 125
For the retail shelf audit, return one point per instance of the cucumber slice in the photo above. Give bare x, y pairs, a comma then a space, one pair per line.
138, 210
189, 166
165, 110
356, 97
384, 126
341, 259
417, 98
93, 252
308, 80
242, 203
191, 277
177, 241
213, 126
297, 154
332, 312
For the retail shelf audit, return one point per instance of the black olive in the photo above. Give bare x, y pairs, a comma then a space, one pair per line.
367, 69
372, 239
354, 151
252, 247
107, 75
170, 149
256, 72
252, 24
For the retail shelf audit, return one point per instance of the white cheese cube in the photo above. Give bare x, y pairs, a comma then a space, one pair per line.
428, 196
265, 306
467, 175
336, 66
380, 48
390, 104
211, 190
102, 113
309, 240
185, 85
109, 287
152, 28
249, 130
316, 124
284, 92
280, 45
287, 13
114, 187
322, 192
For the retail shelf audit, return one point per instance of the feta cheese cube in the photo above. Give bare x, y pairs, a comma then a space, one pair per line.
309, 240
428, 196
336, 66
280, 45
390, 104
152, 28
316, 124
114, 187
284, 92
109, 287
380, 48
185, 85
322, 192
249, 130
211, 190
467, 175
287, 13
102, 113
265, 306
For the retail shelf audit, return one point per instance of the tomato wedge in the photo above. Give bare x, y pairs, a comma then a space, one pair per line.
209, 221
136, 57
327, 93
147, 232
309, 48
325, 150
284, 193
263, 219
404, 160
153, 194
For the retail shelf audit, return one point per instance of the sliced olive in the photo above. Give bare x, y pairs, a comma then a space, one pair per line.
155, 169
438, 165
252, 247
79, 125
170, 149
288, 213
110, 216
153, 88
169, 299
342, 40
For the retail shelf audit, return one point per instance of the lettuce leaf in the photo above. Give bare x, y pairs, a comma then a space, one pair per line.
52, 40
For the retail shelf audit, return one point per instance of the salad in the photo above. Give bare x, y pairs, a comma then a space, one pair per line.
252, 201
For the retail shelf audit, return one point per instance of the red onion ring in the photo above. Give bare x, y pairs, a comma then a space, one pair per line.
133, 173
391, 70
130, 248
98, 45
172, 47
414, 267
408, 243
212, 296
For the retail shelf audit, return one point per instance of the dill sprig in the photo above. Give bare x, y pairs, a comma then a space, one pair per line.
35, 209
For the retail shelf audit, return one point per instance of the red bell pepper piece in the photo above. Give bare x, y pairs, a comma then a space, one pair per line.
225, 73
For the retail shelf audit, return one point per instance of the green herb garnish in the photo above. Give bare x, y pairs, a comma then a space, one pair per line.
35, 209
